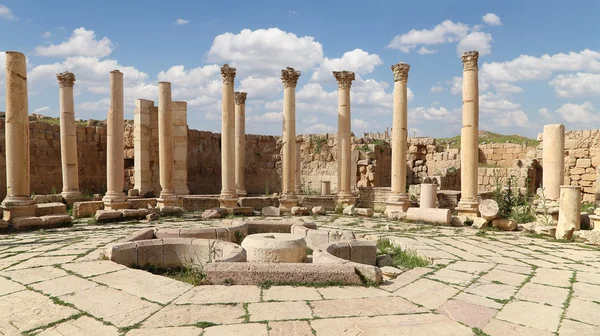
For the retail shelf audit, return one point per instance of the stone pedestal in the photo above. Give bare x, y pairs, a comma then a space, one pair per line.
325, 187
398, 199
68, 139
289, 77
17, 202
228, 197
141, 146
240, 142
345, 196
114, 198
165, 146
428, 197
298, 179
553, 160
180, 148
569, 215
469, 144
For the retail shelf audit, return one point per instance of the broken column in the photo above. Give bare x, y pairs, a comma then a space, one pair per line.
569, 215
428, 197
141, 146
228, 197
553, 160
288, 199
398, 199
115, 198
17, 202
68, 138
469, 143
298, 179
180, 148
240, 142
345, 197
165, 146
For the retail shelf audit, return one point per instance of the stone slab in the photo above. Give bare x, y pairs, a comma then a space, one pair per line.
364, 307
277, 311
290, 328
87, 209
91, 268
168, 331
63, 285
474, 316
351, 292
179, 315
82, 326
573, 328
30, 275
532, 315
543, 294
503, 328
289, 293
220, 294
246, 329
428, 293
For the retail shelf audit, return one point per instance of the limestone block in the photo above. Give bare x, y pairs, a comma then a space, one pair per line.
39, 199
299, 211
488, 209
86, 209
569, 215
142, 203
349, 210
211, 213
55, 198
27, 223
171, 211
50, 209
437, 216
318, 210
55, 220
177, 252
150, 252
134, 213
10, 212
152, 217
107, 215
3, 224
479, 223
583, 163
315, 238
271, 211
505, 224
133, 192
384, 260
274, 248
340, 235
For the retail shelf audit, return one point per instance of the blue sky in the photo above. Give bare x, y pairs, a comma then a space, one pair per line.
539, 60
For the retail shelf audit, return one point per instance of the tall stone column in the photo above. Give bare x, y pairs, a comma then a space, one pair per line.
345, 196
228, 197
398, 200
298, 178
68, 139
288, 198
165, 146
141, 146
469, 143
17, 202
240, 142
115, 197
553, 160
180, 147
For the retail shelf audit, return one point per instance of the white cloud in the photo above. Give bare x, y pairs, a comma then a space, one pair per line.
492, 103
258, 87
421, 113
81, 43
491, 19
46, 34
437, 88
359, 123
545, 113
41, 109
269, 117
356, 60
476, 40
181, 22
444, 32
319, 128
516, 118
188, 84
6, 13
584, 114
310, 120
266, 50
426, 51
580, 84
504, 87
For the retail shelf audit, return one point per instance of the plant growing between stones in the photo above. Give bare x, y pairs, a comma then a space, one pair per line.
511, 202
546, 219
401, 258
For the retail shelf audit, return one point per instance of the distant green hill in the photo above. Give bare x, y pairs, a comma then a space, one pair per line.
490, 137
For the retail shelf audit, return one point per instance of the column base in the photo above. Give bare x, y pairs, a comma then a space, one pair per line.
166, 201
241, 192
115, 202
228, 200
71, 196
469, 208
182, 192
287, 203
345, 199
396, 206
17, 201
11, 212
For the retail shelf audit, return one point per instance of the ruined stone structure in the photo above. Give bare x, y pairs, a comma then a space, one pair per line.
165, 146
228, 197
288, 198
344, 194
240, 142
553, 160
180, 147
68, 138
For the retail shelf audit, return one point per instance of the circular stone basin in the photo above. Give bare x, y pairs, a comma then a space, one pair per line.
275, 248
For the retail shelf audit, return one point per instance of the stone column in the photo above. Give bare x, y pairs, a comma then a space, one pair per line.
428, 197
165, 146
115, 198
180, 147
288, 199
298, 178
569, 214
68, 139
344, 145
17, 202
240, 142
553, 160
228, 197
141, 146
469, 143
398, 200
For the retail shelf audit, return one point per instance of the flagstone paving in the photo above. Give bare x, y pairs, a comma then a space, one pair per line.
496, 283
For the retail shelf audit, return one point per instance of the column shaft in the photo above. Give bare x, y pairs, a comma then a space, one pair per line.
165, 144
553, 160
298, 172
240, 142
115, 143
180, 147
344, 138
68, 138
141, 146
228, 197
398, 198
289, 77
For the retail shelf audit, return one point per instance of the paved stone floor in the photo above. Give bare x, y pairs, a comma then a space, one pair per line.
494, 283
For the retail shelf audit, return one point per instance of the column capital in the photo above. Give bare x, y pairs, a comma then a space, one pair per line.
228, 74
344, 78
400, 71
240, 97
289, 76
469, 60
65, 79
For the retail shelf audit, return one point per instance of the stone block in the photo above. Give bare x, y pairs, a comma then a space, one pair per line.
47, 209
150, 252
86, 209
39, 199
57, 198
171, 211
10, 212
3, 224
107, 215
364, 212
212, 213
124, 254
363, 252
27, 223
177, 252
315, 238
134, 213
142, 203
299, 211
318, 210
505, 224
271, 211
50, 221
583, 163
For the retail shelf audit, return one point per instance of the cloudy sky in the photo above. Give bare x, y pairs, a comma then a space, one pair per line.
539, 60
